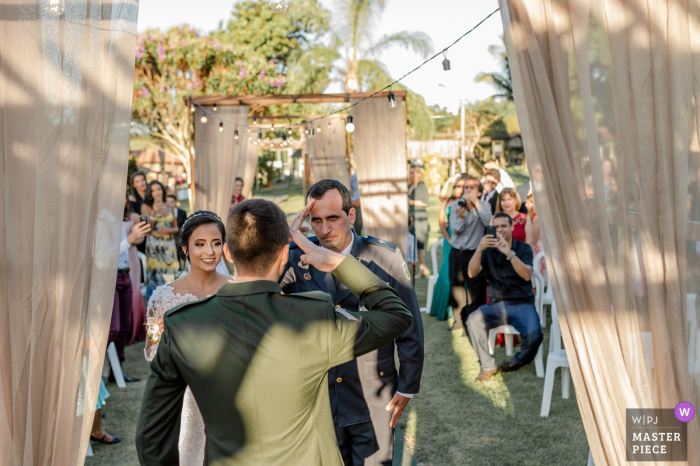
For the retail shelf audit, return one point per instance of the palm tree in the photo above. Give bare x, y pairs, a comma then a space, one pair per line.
361, 69
503, 82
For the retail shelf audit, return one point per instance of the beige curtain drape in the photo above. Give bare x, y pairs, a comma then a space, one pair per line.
380, 155
604, 93
218, 157
327, 151
65, 92
248, 164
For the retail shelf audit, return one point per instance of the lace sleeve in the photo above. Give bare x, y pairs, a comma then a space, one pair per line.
154, 320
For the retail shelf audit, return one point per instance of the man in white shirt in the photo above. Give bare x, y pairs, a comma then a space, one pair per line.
491, 180
120, 325
506, 181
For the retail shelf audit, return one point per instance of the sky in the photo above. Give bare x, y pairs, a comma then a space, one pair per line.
442, 20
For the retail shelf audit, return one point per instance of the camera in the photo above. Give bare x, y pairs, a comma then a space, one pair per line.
462, 203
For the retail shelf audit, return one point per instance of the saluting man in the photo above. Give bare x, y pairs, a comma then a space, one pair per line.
367, 394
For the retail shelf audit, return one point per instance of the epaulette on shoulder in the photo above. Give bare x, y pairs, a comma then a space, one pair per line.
317, 295
294, 245
182, 306
379, 242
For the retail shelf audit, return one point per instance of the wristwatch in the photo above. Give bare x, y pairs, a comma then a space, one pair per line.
512, 255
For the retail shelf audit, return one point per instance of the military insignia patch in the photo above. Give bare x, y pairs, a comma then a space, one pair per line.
307, 276
303, 265
405, 271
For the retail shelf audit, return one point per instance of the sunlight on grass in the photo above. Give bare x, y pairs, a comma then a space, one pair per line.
494, 389
409, 433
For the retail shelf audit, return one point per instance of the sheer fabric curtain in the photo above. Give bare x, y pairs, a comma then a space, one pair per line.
327, 151
380, 155
65, 93
218, 157
605, 92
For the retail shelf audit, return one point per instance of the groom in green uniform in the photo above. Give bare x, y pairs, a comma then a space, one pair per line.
257, 360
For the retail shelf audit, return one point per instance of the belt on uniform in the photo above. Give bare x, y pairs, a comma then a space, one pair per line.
126, 270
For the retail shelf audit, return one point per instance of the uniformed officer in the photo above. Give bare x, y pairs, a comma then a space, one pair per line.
236, 349
363, 392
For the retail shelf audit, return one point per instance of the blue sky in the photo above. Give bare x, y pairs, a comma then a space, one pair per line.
442, 20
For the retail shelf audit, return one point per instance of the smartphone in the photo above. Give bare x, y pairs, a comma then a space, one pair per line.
143, 218
491, 230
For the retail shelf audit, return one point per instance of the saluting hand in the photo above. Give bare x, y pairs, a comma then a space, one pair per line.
299, 220
323, 259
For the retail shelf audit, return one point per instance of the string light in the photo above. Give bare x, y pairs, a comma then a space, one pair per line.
203, 119
318, 130
214, 107
54, 7
272, 126
446, 62
284, 139
392, 100
235, 135
350, 126
259, 136
289, 130
221, 127
310, 131
279, 6
329, 124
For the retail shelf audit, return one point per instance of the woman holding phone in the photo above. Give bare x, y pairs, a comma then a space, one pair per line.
163, 263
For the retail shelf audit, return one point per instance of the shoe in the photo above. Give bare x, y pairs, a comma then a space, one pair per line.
115, 439
509, 366
485, 375
127, 379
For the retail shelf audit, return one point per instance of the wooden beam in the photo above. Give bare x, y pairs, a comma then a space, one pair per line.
282, 99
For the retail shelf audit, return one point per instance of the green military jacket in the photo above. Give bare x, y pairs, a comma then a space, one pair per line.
256, 361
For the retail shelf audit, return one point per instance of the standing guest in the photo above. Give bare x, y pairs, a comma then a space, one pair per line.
492, 178
138, 307
507, 265
174, 205
510, 203
367, 395
356, 203
256, 361
120, 325
161, 251
138, 184
506, 181
468, 221
539, 246
237, 196
440, 305
201, 242
98, 434
418, 200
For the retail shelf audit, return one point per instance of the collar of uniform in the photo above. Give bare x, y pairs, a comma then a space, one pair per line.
350, 247
243, 288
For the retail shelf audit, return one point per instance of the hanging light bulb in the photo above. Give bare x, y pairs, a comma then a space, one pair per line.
329, 124
279, 6
446, 63
54, 7
311, 134
318, 130
392, 100
259, 136
221, 127
350, 126
192, 108
284, 139
249, 130
203, 119
306, 131
289, 130
272, 126
215, 108
235, 135
250, 138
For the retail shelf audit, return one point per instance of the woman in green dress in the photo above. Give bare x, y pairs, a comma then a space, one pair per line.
440, 305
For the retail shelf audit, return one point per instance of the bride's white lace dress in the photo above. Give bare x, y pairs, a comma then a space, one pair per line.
192, 438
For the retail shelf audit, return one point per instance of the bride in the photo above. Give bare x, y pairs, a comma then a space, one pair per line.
201, 243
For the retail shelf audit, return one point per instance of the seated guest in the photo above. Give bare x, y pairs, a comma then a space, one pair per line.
507, 266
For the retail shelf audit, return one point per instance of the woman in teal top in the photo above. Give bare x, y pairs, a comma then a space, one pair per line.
440, 305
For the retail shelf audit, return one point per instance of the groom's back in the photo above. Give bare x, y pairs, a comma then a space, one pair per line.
256, 362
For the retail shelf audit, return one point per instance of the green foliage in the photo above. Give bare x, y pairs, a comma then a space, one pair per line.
267, 173
443, 125
502, 82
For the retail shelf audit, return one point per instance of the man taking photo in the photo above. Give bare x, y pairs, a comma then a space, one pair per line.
507, 266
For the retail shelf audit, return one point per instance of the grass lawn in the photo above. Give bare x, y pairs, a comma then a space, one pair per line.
453, 421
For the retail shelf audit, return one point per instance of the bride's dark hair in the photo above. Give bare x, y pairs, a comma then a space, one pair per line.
197, 219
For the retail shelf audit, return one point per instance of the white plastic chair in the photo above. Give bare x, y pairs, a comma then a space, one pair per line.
508, 330
89, 450
554, 331
555, 360
432, 280
116, 367
548, 295
590, 459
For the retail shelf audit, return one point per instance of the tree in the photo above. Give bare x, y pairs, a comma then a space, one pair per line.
362, 71
502, 82
477, 121
254, 55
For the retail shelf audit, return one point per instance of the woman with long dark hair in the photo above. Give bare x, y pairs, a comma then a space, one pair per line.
201, 243
137, 193
163, 264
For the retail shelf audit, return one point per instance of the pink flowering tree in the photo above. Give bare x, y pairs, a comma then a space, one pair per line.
178, 63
